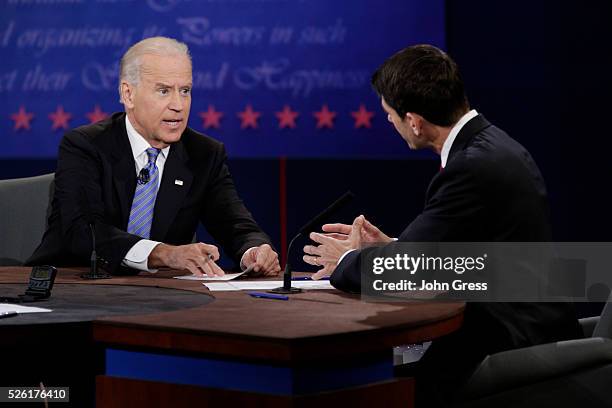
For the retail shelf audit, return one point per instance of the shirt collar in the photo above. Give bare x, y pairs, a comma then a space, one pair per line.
448, 143
138, 143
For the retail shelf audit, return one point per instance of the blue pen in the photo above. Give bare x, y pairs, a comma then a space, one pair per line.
263, 295
307, 278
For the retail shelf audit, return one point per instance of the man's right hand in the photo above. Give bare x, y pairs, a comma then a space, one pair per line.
196, 258
370, 234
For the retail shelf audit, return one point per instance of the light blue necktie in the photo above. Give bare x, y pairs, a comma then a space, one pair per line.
141, 215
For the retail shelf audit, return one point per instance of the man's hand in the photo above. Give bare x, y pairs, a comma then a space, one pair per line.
370, 234
264, 261
199, 258
332, 246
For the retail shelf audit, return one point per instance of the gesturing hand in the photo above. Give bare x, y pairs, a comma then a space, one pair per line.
370, 234
332, 246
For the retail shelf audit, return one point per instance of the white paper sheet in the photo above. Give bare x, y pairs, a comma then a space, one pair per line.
314, 284
226, 277
220, 286
11, 307
267, 285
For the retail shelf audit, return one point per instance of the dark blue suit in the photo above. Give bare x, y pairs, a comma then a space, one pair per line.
490, 190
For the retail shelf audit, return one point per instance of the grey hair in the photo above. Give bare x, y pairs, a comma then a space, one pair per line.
131, 62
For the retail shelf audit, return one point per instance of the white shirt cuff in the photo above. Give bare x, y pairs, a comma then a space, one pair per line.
242, 266
343, 255
138, 255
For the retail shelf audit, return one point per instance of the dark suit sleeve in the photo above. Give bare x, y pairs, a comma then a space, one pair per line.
224, 214
78, 191
347, 276
450, 214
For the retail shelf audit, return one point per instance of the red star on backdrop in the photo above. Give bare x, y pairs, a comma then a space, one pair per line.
22, 119
97, 115
211, 118
248, 118
59, 118
325, 117
287, 117
362, 117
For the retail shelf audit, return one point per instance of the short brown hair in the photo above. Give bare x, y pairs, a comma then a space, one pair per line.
425, 80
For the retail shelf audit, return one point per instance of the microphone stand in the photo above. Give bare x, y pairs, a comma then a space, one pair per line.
339, 203
287, 288
93, 259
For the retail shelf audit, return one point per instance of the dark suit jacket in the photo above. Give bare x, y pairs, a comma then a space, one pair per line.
490, 190
96, 180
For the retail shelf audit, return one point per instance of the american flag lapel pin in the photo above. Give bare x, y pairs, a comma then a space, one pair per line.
178, 182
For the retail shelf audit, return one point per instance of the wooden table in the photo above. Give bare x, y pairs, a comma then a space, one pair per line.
320, 347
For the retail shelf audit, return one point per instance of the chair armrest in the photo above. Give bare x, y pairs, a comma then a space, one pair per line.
515, 368
588, 325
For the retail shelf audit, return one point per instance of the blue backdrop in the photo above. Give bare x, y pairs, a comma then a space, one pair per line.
298, 69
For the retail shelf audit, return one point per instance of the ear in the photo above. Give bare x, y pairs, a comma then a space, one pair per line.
127, 94
415, 121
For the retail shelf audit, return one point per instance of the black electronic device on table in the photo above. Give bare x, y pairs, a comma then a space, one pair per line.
39, 285
41, 281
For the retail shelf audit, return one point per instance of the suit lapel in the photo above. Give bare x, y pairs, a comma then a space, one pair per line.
124, 169
175, 184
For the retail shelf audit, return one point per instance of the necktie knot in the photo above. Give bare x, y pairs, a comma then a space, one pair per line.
152, 153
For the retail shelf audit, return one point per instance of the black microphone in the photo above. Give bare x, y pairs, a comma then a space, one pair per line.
323, 215
93, 259
319, 219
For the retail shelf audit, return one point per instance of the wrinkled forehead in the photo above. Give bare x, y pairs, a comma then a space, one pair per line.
166, 68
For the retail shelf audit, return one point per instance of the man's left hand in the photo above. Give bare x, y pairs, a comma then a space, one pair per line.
264, 261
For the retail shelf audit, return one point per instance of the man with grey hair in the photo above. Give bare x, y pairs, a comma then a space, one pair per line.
144, 179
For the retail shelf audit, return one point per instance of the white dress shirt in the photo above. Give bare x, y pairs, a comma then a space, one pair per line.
138, 256
448, 143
